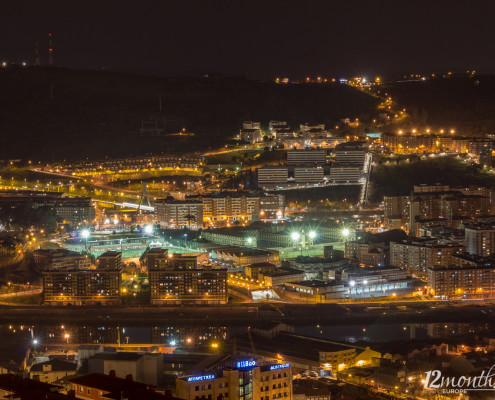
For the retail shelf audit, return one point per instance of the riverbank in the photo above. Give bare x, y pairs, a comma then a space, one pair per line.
259, 314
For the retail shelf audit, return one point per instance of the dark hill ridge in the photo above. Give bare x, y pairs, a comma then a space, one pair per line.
464, 103
95, 113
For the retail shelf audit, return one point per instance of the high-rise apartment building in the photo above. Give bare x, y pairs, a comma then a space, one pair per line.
70, 210
272, 176
345, 174
251, 125
110, 260
172, 213
417, 255
177, 279
305, 175
480, 239
272, 208
347, 153
82, 286
311, 157
223, 208
458, 282
450, 207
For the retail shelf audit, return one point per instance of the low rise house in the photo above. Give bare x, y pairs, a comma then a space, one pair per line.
53, 370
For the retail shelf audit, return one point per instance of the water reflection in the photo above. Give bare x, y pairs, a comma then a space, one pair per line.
17, 339
174, 336
379, 333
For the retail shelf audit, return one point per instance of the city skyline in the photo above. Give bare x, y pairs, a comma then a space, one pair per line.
232, 200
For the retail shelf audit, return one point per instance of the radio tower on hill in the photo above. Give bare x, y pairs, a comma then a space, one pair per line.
50, 50
37, 60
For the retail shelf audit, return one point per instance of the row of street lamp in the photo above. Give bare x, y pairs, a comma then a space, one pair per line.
295, 236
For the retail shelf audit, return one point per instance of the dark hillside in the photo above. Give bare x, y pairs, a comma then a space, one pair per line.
95, 114
466, 104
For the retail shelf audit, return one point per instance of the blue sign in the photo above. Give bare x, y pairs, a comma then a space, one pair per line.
279, 366
246, 364
200, 378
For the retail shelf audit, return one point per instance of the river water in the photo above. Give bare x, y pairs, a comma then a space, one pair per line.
16, 339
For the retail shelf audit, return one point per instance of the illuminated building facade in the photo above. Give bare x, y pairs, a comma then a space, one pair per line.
417, 255
244, 380
70, 210
409, 143
272, 175
225, 208
179, 214
480, 239
250, 135
167, 161
81, 287
451, 206
177, 279
396, 212
467, 281
51, 259
110, 260
350, 153
307, 157
272, 208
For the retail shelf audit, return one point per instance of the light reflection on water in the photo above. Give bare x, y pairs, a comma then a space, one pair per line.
16, 339
380, 333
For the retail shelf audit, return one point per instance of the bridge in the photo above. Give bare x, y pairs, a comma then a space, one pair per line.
125, 204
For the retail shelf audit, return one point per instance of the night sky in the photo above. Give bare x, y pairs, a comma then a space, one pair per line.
260, 39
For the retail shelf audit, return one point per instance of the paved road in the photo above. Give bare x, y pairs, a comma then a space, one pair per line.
22, 293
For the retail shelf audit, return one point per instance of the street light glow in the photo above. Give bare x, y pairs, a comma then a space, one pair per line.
312, 234
148, 229
85, 233
345, 232
352, 283
295, 236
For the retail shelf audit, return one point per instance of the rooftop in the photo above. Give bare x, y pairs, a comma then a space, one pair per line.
262, 265
56, 364
110, 253
135, 393
310, 387
117, 356
106, 383
283, 272
38, 394
315, 283
16, 384
294, 345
